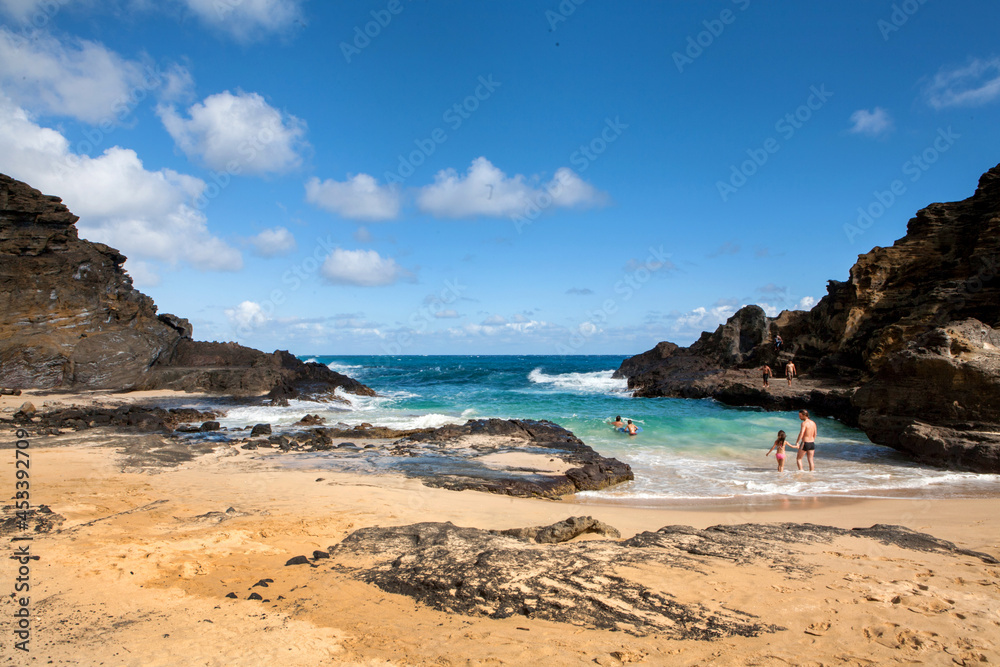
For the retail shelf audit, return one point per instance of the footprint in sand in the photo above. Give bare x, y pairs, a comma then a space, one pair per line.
922, 604
817, 629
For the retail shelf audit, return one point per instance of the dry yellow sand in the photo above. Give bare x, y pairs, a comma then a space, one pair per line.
139, 573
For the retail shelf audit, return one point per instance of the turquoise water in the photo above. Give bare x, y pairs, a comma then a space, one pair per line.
689, 449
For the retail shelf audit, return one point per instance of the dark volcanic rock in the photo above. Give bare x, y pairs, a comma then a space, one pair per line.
939, 398
915, 326
71, 319
475, 572
488, 573
563, 531
477, 439
132, 418
260, 429
37, 519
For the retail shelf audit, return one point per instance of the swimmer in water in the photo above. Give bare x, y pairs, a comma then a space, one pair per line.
780, 444
632, 429
617, 423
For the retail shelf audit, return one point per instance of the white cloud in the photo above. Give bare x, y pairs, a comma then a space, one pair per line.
974, 84
241, 133
501, 327
704, 319
806, 303
143, 274
362, 235
365, 268
273, 242
874, 123
360, 197
178, 84
36, 12
79, 79
148, 215
495, 320
446, 314
484, 190
771, 310
248, 20
246, 315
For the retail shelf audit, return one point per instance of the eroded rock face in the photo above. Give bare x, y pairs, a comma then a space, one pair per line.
877, 331
597, 583
71, 319
69, 316
939, 398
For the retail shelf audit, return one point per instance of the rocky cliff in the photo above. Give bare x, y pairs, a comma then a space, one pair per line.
907, 347
71, 319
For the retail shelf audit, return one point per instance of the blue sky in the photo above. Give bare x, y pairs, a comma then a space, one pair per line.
417, 177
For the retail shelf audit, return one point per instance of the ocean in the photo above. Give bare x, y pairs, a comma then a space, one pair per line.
689, 450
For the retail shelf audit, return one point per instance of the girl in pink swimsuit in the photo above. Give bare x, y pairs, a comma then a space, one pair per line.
780, 444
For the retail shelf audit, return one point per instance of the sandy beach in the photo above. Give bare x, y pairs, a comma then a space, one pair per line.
140, 570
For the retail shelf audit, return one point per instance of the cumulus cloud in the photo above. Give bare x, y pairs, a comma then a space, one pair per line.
486, 191
364, 268
142, 273
273, 242
806, 303
240, 133
874, 123
360, 197
248, 20
79, 79
974, 84
704, 319
148, 215
247, 315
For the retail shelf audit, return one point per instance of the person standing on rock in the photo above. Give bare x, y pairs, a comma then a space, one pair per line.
790, 372
766, 371
777, 343
807, 440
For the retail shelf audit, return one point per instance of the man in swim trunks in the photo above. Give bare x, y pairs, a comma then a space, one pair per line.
632, 430
790, 372
807, 438
617, 423
767, 374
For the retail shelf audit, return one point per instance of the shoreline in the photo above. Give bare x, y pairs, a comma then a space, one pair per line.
148, 554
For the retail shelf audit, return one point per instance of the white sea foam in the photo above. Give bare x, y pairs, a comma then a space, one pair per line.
599, 382
673, 475
344, 369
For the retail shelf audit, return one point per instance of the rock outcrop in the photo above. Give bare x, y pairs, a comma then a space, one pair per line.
70, 319
612, 584
914, 327
481, 446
